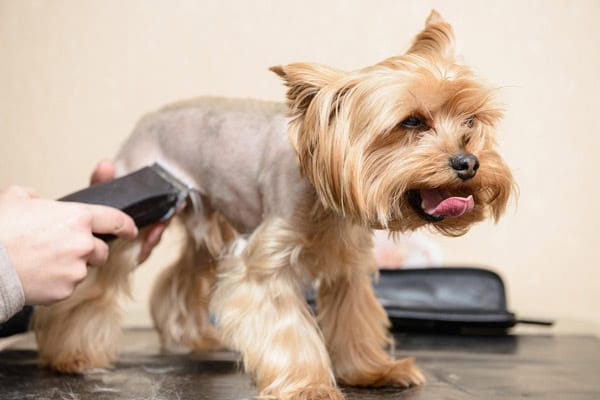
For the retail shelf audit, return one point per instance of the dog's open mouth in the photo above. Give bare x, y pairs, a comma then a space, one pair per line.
434, 205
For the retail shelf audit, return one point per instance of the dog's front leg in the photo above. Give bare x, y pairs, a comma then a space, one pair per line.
353, 322
261, 312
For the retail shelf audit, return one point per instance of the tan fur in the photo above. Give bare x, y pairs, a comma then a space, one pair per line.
184, 318
284, 201
351, 149
261, 312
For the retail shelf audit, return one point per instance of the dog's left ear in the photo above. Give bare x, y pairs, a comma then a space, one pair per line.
436, 39
304, 82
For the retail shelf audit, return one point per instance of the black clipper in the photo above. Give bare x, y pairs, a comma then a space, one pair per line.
148, 195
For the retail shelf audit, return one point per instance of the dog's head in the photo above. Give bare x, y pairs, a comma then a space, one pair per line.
404, 143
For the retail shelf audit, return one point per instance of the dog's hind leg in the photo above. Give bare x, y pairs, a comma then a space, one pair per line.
83, 331
261, 311
179, 299
354, 324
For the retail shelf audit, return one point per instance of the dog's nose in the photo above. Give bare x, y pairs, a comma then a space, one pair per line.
465, 165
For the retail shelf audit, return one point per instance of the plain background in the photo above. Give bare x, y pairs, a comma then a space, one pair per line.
76, 75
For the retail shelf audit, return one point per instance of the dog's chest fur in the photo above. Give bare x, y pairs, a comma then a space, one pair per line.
236, 153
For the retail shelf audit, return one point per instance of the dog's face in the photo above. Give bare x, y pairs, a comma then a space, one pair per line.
405, 143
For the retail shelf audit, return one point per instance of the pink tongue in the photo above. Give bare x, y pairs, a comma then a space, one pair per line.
435, 203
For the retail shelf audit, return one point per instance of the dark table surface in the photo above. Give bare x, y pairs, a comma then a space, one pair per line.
508, 367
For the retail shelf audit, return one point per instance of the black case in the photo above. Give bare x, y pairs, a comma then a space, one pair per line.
456, 300
451, 300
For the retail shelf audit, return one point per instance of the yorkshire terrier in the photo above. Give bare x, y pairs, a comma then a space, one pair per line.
290, 195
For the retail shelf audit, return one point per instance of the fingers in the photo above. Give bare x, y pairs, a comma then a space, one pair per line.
105, 171
18, 192
112, 221
99, 253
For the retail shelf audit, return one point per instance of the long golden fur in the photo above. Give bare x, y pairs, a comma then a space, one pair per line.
403, 144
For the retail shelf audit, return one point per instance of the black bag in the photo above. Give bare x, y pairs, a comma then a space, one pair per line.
444, 300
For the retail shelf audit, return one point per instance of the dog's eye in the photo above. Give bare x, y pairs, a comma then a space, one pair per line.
413, 122
469, 121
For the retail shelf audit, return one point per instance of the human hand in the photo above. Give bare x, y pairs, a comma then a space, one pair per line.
105, 171
50, 243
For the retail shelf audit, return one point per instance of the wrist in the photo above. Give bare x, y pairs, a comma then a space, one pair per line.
12, 296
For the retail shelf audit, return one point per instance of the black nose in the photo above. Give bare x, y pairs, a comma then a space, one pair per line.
465, 165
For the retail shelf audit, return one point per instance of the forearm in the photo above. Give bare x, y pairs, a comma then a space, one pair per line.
12, 298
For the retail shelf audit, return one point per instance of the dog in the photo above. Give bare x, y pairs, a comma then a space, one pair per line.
289, 194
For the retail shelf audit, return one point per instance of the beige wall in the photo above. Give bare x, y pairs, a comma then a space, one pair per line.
75, 75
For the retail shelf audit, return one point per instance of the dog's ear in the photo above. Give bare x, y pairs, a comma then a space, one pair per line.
304, 82
436, 39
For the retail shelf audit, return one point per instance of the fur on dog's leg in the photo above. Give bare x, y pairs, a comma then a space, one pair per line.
179, 300
82, 332
261, 311
354, 324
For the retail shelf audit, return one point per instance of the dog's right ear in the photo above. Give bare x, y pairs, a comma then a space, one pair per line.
304, 82
437, 37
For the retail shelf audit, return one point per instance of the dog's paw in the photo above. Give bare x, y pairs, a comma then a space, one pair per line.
317, 392
77, 362
312, 392
403, 373
208, 342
